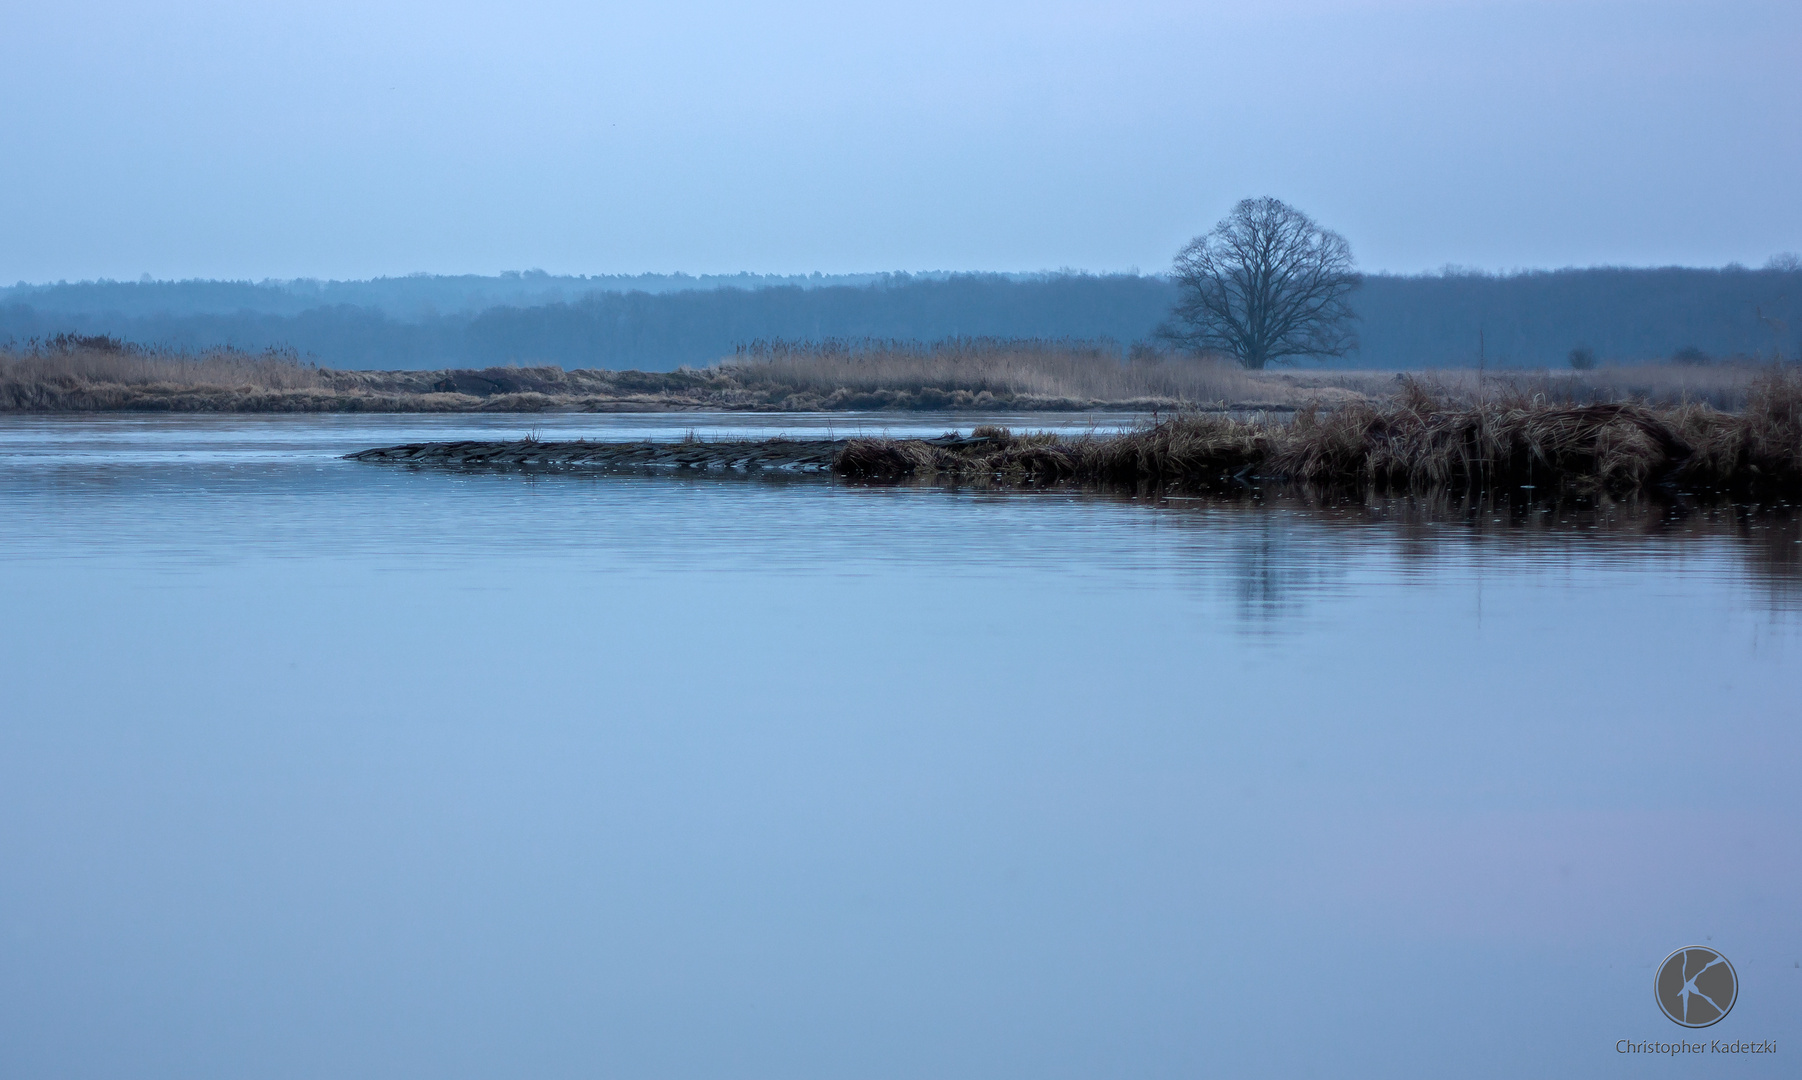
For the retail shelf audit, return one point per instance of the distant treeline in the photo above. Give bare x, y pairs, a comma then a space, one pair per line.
1523, 320
412, 297
1535, 319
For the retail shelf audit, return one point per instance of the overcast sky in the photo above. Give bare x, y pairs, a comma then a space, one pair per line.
341, 139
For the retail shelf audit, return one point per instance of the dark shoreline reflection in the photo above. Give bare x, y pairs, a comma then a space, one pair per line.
1766, 538
1285, 542
1275, 565
1272, 549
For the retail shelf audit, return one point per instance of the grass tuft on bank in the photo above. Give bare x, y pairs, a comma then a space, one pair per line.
1421, 440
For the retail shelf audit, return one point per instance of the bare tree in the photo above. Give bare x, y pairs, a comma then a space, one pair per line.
1266, 284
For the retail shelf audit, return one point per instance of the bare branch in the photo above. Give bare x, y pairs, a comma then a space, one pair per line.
1267, 284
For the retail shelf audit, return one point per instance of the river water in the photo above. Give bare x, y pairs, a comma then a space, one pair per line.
311, 768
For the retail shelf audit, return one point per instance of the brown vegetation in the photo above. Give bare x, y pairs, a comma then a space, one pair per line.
91, 374
1724, 386
1023, 373
72, 374
1419, 442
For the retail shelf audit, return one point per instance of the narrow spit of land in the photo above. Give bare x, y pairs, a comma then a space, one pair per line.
1417, 443
793, 455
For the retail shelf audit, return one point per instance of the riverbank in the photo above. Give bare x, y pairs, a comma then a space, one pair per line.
978, 375
85, 375
1419, 442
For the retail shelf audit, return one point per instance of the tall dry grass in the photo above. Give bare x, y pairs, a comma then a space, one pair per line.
1724, 386
82, 372
1419, 442
97, 374
1031, 369
71, 373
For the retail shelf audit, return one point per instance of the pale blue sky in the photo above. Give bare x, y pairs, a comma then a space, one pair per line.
340, 139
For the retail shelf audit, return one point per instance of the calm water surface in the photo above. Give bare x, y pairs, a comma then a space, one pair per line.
317, 769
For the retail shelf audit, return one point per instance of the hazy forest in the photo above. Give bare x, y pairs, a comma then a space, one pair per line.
659, 322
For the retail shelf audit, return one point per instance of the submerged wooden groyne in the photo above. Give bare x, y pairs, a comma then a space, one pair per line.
790, 455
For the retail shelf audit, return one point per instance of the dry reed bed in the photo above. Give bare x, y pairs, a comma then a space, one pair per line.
102, 375
1722, 385
1027, 369
76, 374
1420, 442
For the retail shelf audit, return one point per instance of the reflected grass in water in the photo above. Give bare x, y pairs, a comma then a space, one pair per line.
1764, 539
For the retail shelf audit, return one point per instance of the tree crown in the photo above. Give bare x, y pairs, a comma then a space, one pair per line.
1266, 284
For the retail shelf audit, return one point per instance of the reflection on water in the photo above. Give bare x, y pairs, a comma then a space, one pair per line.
316, 768
1280, 558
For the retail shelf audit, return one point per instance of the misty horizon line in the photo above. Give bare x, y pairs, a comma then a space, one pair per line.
1782, 261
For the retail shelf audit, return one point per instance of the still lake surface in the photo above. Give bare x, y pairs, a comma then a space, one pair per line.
312, 768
